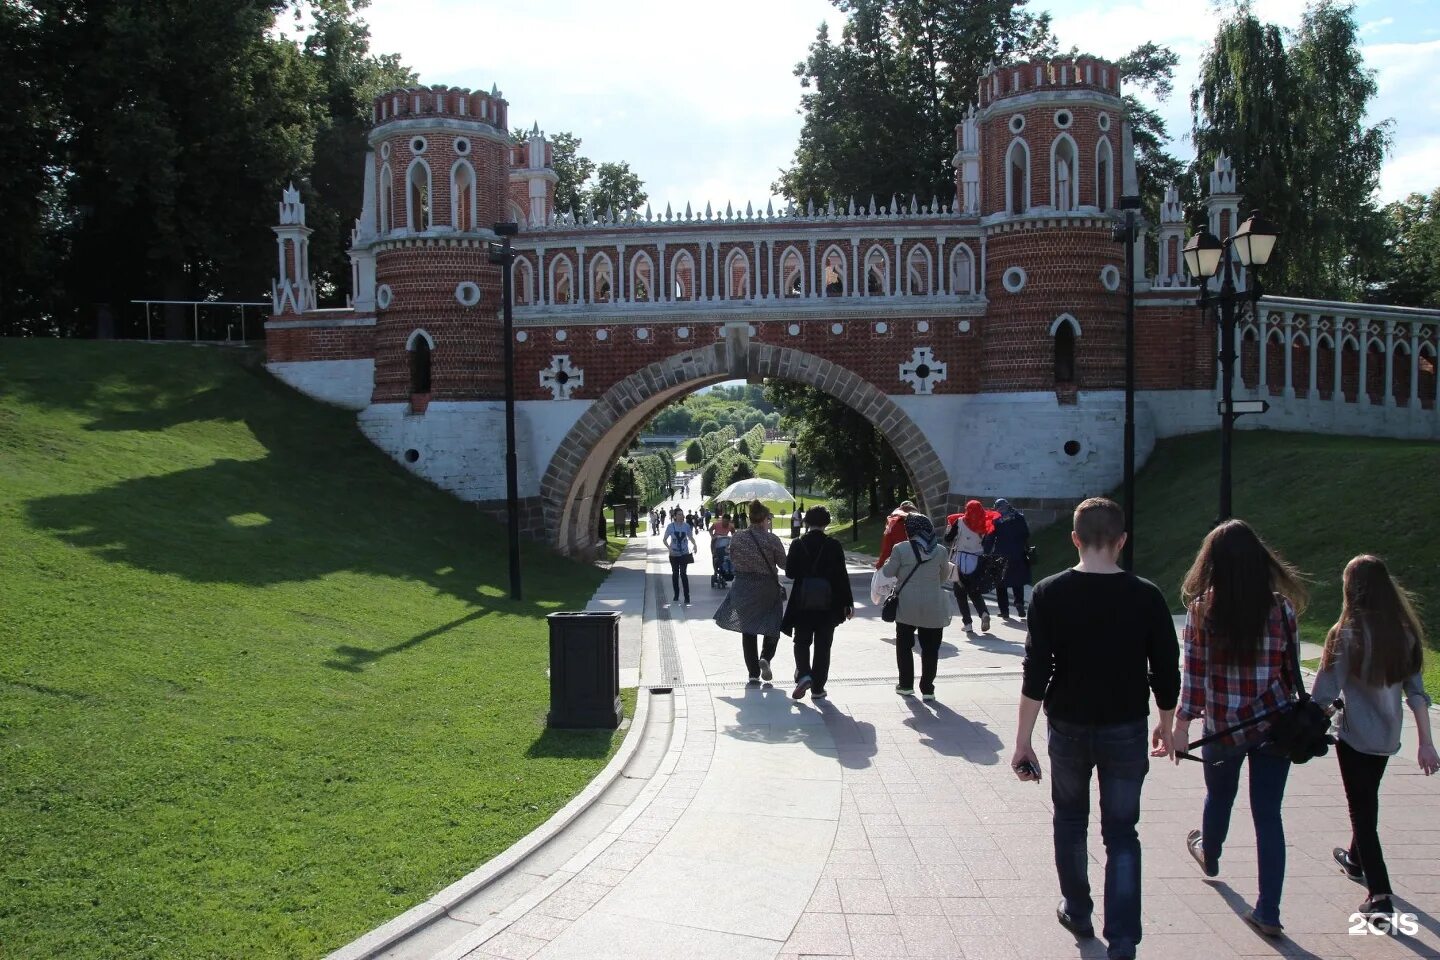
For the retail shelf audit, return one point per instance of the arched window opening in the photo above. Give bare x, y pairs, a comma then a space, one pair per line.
1064, 178
419, 364
1017, 177
386, 199
962, 271
562, 280
1104, 182
917, 273
877, 273
832, 273
642, 278
682, 276
737, 273
792, 272
418, 196
602, 279
462, 196
524, 280
1064, 353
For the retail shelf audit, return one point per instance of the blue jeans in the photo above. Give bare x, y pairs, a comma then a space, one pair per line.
1119, 753
1267, 790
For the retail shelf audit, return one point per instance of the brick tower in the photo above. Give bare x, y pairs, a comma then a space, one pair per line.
1051, 164
441, 158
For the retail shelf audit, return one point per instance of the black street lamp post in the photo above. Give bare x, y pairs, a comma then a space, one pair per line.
795, 469
502, 255
1126, 235
1205, 256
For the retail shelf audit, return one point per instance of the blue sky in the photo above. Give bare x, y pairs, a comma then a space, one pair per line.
705, 111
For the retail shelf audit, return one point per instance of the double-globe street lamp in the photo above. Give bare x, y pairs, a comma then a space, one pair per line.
1125, 234
1205, 255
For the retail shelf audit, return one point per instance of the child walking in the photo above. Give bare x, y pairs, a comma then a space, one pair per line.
1373, 658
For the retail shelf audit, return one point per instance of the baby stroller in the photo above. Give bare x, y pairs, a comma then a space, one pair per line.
720, 561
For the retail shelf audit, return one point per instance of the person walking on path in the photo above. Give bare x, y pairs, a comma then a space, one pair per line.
1101, 642
894, 531
681, 541
1011, 540
754, 606
919, 568
1241, 605
1374, 657
966, 535
819, 601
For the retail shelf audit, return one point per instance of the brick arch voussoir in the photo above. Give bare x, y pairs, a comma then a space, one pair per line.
585, 457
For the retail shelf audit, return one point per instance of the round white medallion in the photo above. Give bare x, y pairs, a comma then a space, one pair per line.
561, 335
462, 146
1014, 279
602, 335
750, 329
882, 327
1103, 120
383, 296
683, 333
794, 329
837, 328
923, 326
468, 293
385, 150
642, 334
1063, 119
1017, 123
963, 326
521, 336
1110, 277
417, 145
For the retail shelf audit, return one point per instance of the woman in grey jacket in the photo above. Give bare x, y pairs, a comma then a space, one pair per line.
1373, 658
920, 569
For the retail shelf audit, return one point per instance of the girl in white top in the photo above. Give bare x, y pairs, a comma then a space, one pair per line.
680, 538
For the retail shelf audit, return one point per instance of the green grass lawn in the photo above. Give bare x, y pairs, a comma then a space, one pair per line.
260, 689
872, 529
1319, 500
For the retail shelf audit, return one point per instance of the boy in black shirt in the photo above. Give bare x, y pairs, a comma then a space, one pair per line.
1101, 641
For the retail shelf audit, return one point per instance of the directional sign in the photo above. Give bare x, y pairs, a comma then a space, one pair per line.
1241, 407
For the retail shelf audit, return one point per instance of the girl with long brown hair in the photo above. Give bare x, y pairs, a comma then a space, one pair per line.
1373, 658
1241, 602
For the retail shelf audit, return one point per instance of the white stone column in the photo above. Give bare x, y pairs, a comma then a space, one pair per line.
939, 282
1289, 332
662, 295
811, 271
580, 275
859, 282
700, 274
1362, 392
895, 272
543, 295
1415, 366
1338, 393
722, 282
620, 292
756, 288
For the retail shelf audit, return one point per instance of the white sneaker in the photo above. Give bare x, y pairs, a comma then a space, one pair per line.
765, 671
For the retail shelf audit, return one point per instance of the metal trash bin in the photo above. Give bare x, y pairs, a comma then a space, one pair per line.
584, 670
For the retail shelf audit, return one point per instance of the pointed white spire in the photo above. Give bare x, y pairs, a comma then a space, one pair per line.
667, 212
708, 214
687, 210
770, 209
647, 212
749, 211
809, 207
914, 204
851, 209
894, 204
873, 209
729, 210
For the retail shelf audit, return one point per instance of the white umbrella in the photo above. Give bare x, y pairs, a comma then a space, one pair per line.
754, 489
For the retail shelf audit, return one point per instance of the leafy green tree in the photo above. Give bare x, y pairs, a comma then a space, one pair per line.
708, 427
572, 170
1293, 122
616, 190
1150, 67
881, 105
694, 454
1410, 274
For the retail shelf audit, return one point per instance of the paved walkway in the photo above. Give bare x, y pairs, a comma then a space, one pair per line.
875, 826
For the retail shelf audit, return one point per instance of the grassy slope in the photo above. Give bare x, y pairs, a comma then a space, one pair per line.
260, 689
1319, 500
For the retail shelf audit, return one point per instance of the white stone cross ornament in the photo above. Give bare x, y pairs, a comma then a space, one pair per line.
922, 371
560, 378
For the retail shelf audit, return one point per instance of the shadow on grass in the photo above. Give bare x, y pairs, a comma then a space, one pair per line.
356, 659
572, 744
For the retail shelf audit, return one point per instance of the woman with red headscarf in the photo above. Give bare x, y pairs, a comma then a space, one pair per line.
966, 535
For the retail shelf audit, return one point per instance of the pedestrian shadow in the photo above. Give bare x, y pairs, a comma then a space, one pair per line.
758, 712
855, 740
1421, 917
948, 650
1283, 945
356, 659
993, 644
759, 718
951, 735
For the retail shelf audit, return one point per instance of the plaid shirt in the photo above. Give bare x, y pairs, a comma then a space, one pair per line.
1226, 694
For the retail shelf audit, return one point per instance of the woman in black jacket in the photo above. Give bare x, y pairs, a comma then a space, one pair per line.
819, 602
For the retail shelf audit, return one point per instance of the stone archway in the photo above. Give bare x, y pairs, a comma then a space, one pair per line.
571, 490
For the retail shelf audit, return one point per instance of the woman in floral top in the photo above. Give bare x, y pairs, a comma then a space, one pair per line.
1241, 600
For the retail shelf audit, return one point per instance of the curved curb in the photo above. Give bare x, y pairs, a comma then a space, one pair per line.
422, 915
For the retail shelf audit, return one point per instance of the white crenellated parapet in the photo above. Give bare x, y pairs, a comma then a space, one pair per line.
1223, 209
1170, 266
966, 163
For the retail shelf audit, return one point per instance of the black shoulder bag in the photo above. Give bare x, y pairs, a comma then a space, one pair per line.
1299, 729
891, 609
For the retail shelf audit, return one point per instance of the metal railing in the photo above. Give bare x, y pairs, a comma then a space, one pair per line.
195, 306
